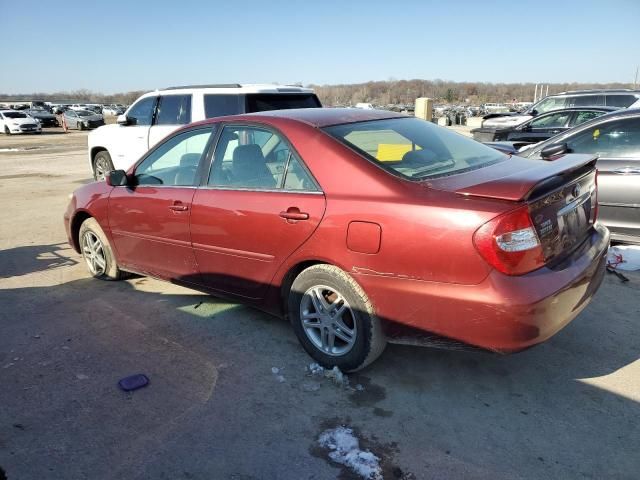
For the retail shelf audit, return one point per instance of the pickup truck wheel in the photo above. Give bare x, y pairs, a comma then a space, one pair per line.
102, 165
334, 320
97, 252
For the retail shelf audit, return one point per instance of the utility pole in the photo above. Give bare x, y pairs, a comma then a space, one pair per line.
635, 79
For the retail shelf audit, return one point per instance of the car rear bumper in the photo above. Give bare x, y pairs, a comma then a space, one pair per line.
502, 313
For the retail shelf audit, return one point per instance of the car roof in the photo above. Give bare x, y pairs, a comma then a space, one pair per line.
597, 90
601, 108
324, 117
235, 88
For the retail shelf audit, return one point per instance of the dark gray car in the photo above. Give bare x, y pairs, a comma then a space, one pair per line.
83, 119
615, 139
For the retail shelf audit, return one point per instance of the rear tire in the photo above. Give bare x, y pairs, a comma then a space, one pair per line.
80, 126
102, 165
334, 319
97, 252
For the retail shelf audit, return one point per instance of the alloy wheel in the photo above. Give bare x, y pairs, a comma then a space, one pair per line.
93, 252
328, 320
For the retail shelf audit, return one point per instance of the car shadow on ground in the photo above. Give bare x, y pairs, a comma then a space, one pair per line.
34, 258
534, 414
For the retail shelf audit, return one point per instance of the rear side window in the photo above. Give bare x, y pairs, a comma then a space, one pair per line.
221, 105
259, 102
257, 158
622, 101
413, 148
582, 117
174, 110
141, 113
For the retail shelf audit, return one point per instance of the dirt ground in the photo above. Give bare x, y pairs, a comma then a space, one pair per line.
230, 396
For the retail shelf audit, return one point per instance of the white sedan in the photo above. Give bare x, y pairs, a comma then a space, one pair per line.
13, 121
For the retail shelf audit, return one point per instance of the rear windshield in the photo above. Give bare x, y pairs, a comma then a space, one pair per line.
413, 148
259, 102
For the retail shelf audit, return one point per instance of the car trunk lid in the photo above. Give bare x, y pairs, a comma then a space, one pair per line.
561, 195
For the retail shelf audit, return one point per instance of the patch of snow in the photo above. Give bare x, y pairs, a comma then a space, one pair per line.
345, 449
9, 149
276, 372
335, 374
624, 257
82, 376
315, 369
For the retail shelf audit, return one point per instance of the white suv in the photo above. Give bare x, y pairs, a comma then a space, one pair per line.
156, 114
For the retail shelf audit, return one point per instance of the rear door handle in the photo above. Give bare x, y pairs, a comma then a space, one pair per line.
294, 213
178, 206
627, 171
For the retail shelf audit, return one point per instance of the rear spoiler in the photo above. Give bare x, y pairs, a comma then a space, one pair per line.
531, 178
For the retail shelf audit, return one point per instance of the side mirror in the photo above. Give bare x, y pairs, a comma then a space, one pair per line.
534, 112
117, 178
548, 153
122, 120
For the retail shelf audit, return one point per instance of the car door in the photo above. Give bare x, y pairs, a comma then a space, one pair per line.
133, 137
259, 204
541, 127
172, 112
617, 144
149, 219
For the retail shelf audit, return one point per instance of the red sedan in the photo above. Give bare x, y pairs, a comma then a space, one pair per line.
352, 222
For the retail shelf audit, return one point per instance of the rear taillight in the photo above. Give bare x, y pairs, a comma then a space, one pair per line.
510, 243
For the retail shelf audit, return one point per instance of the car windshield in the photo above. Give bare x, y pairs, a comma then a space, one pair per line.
84, 113
413, 148
549, 104
14, 115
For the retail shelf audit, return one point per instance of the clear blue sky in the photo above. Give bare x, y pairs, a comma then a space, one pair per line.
113, 46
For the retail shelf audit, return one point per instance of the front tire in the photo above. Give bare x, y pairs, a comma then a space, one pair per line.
334, 319
102, 165
7, 131
97, 252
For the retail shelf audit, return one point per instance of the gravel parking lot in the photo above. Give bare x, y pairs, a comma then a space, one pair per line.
230, 394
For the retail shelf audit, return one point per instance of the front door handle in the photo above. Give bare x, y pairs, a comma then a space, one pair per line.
627, 171
294, 214
178, 206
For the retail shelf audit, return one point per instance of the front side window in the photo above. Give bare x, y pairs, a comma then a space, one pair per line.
257, 158
550, 121
142, 112
174, 110
175, 162
413, 148
585, 101
222, 105
617, 139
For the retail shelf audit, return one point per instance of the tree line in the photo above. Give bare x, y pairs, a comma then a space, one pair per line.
378, 93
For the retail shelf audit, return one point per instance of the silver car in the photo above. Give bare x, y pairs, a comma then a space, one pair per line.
83, 119
615, 139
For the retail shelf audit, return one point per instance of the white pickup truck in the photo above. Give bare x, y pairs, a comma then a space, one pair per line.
156, 114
